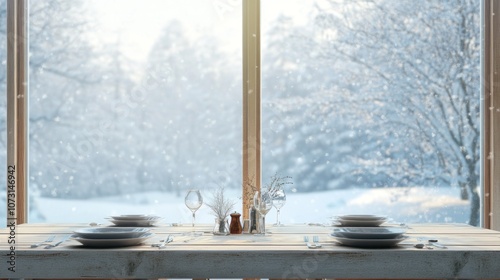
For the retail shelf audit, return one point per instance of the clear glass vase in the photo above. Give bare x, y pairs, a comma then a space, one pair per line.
221, 227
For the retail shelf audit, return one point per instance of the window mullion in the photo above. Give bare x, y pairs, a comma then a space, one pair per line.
251, 99
17, 113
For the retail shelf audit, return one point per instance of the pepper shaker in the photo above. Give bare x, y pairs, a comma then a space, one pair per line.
235, 226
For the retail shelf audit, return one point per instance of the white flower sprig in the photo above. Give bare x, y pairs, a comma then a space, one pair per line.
219, 204
277, 182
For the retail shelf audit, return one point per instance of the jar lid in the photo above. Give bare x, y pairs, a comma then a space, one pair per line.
235, 214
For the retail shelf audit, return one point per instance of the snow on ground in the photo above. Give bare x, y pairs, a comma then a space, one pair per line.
405, 205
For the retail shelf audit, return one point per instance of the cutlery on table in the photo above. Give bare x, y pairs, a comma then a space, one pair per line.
46, 242
169, 239
433, 242
164, 242
308, 244
58, 243
316, 241
429, 244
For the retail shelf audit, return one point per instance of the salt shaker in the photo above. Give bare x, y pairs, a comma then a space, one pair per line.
254, 220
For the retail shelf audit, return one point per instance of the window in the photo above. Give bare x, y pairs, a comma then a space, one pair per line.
129, 106
375, 105
365, 112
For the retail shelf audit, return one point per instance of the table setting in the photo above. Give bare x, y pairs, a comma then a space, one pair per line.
123, 231
167, 251
107, 237
140, 246
359, 231
126, 230
367, 231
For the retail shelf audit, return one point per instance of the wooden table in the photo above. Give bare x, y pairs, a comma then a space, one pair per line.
471, 253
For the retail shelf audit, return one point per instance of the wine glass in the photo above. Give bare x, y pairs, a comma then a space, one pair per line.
279, 199
193, 201
263, 203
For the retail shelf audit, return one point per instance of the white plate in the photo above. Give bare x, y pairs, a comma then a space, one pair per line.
110, 232
360, 223
134, 223
135, 217
370, 232
362, 217
368, 243
108, 243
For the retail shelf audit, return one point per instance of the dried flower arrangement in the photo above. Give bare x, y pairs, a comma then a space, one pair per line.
276, 183
219, 204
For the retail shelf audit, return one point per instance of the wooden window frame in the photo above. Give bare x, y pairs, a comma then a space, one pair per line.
17, 106
17, 110
490, 173
251, 100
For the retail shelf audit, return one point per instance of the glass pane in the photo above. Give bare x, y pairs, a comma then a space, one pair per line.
132, 103
373, 107
3, 110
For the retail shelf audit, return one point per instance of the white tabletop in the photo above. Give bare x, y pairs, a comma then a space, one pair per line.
470, 253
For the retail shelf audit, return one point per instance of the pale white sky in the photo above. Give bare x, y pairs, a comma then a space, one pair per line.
139, 22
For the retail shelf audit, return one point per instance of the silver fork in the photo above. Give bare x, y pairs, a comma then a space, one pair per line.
46, 242
58, 243
162, 243
316, 241
309, 245
169, 239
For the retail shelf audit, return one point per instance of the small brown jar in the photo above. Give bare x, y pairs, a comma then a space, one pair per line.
235, 226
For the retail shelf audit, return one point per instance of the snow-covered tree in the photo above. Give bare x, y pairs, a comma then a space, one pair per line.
418, 64
400, 77
195, 112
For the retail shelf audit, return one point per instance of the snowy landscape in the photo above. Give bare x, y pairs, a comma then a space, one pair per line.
401, 205
121, 125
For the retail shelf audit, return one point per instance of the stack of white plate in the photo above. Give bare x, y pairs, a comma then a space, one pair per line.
365, 231
111, 236
369, 237
134, 220
360, 220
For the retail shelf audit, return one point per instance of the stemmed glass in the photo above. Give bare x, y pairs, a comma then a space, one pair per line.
263, 202
193, 201
279, 199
